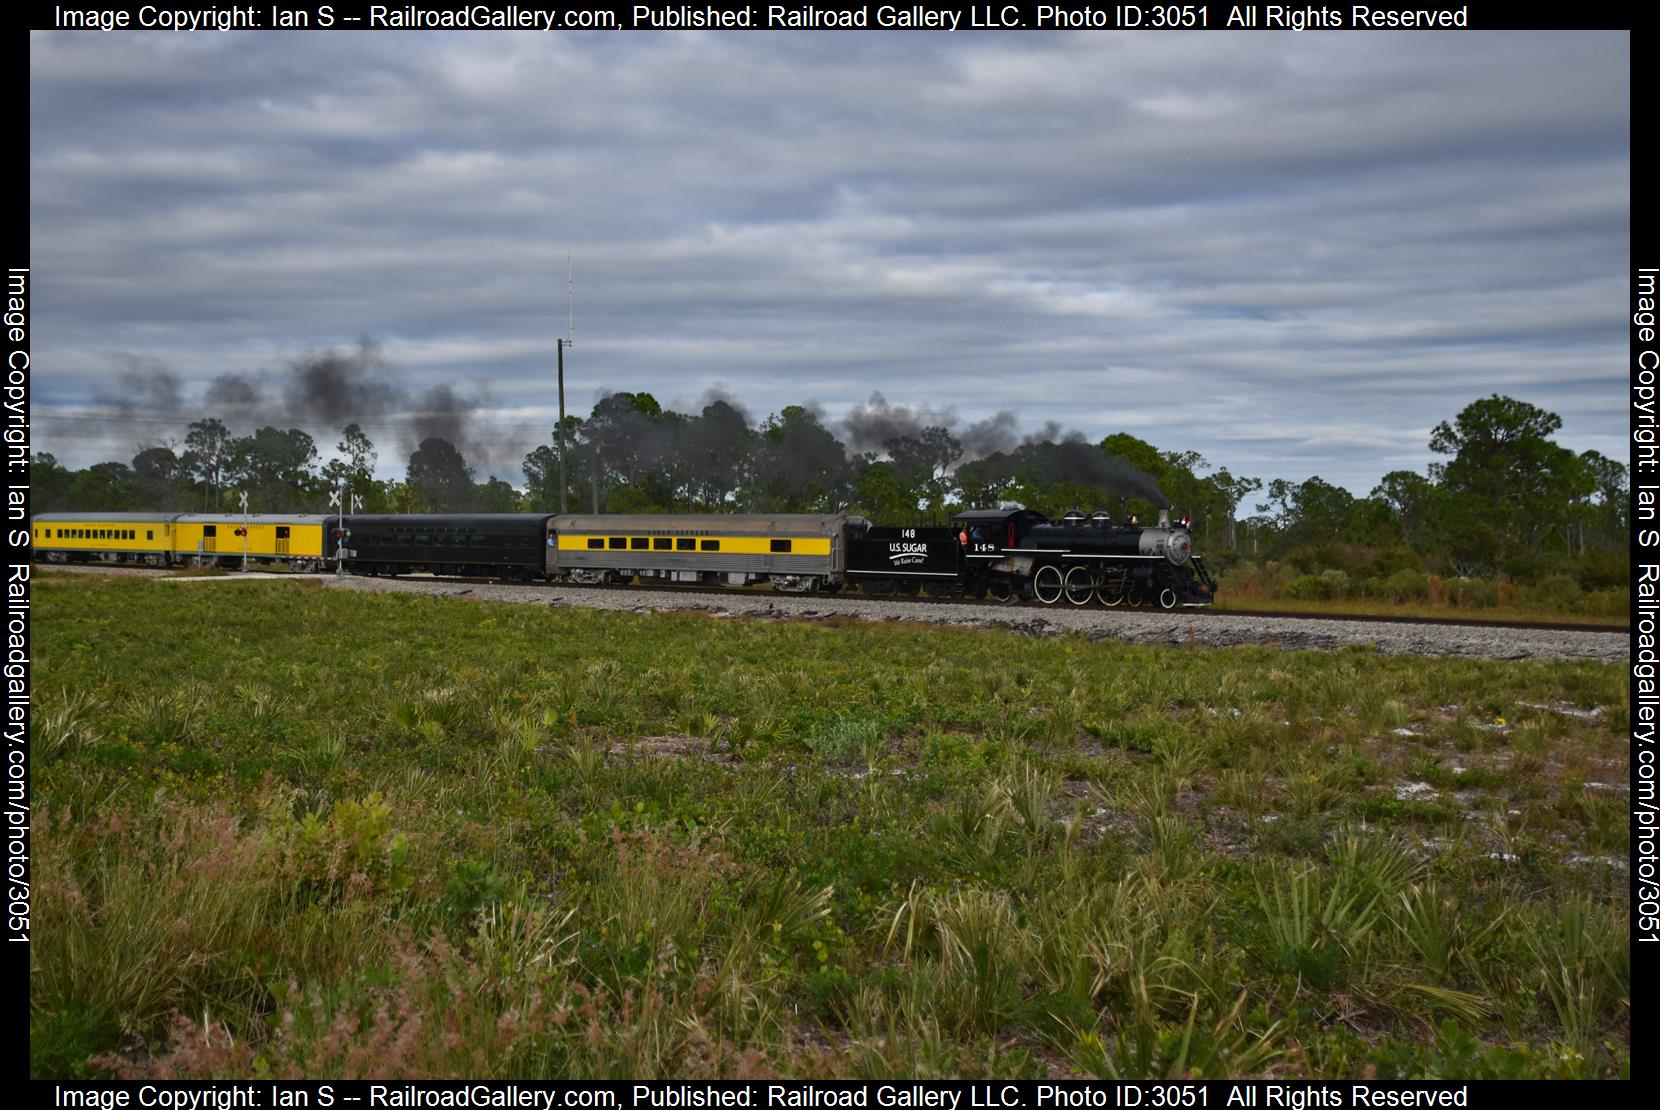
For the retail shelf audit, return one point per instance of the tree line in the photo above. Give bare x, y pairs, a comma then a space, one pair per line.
1504, 500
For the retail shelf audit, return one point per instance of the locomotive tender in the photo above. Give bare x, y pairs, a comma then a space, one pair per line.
1000, 553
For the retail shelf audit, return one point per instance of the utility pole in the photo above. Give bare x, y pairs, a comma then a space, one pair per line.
563, 490
561, 344
244, 531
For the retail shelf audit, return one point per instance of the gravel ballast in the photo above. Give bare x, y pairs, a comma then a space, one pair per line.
1141, 627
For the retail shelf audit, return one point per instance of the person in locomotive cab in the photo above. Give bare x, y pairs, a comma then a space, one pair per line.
1134, 519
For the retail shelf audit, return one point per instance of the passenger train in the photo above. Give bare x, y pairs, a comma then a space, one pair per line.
1002, 553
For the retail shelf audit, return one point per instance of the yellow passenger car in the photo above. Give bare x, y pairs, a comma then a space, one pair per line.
103, 537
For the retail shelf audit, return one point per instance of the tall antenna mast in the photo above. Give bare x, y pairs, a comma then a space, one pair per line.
560, 345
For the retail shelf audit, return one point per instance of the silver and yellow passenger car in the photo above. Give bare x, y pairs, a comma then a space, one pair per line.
795, 552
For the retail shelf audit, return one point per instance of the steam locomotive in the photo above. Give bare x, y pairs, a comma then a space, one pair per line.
1007, 553
999, 553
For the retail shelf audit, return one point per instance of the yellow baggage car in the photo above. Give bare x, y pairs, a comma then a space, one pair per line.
218, 539
173, 539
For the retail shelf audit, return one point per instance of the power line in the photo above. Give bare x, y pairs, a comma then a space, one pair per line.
39, 416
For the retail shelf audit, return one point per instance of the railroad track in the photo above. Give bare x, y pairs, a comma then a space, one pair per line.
1201, 612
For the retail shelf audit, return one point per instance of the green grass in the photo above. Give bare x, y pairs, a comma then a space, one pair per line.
1363, 607
281, 830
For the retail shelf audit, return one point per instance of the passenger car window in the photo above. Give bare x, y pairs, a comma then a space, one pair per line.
638, 543
711, 545
685, 545
662, 543
781, 546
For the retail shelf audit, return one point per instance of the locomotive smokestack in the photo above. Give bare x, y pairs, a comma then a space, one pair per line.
1164, 518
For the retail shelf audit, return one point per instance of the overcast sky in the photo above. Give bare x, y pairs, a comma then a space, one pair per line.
1292, 253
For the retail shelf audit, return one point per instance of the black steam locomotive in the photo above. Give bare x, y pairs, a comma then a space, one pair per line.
1007, 553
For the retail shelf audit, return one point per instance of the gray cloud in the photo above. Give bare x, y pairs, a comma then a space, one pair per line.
1292, 253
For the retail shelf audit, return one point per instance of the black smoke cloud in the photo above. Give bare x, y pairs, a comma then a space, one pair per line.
1078, 460
142, 386
327, 390
1065, 456
234, 393
1049, 433
989, 436
868, 427
341, 387
717, 395
442, 413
